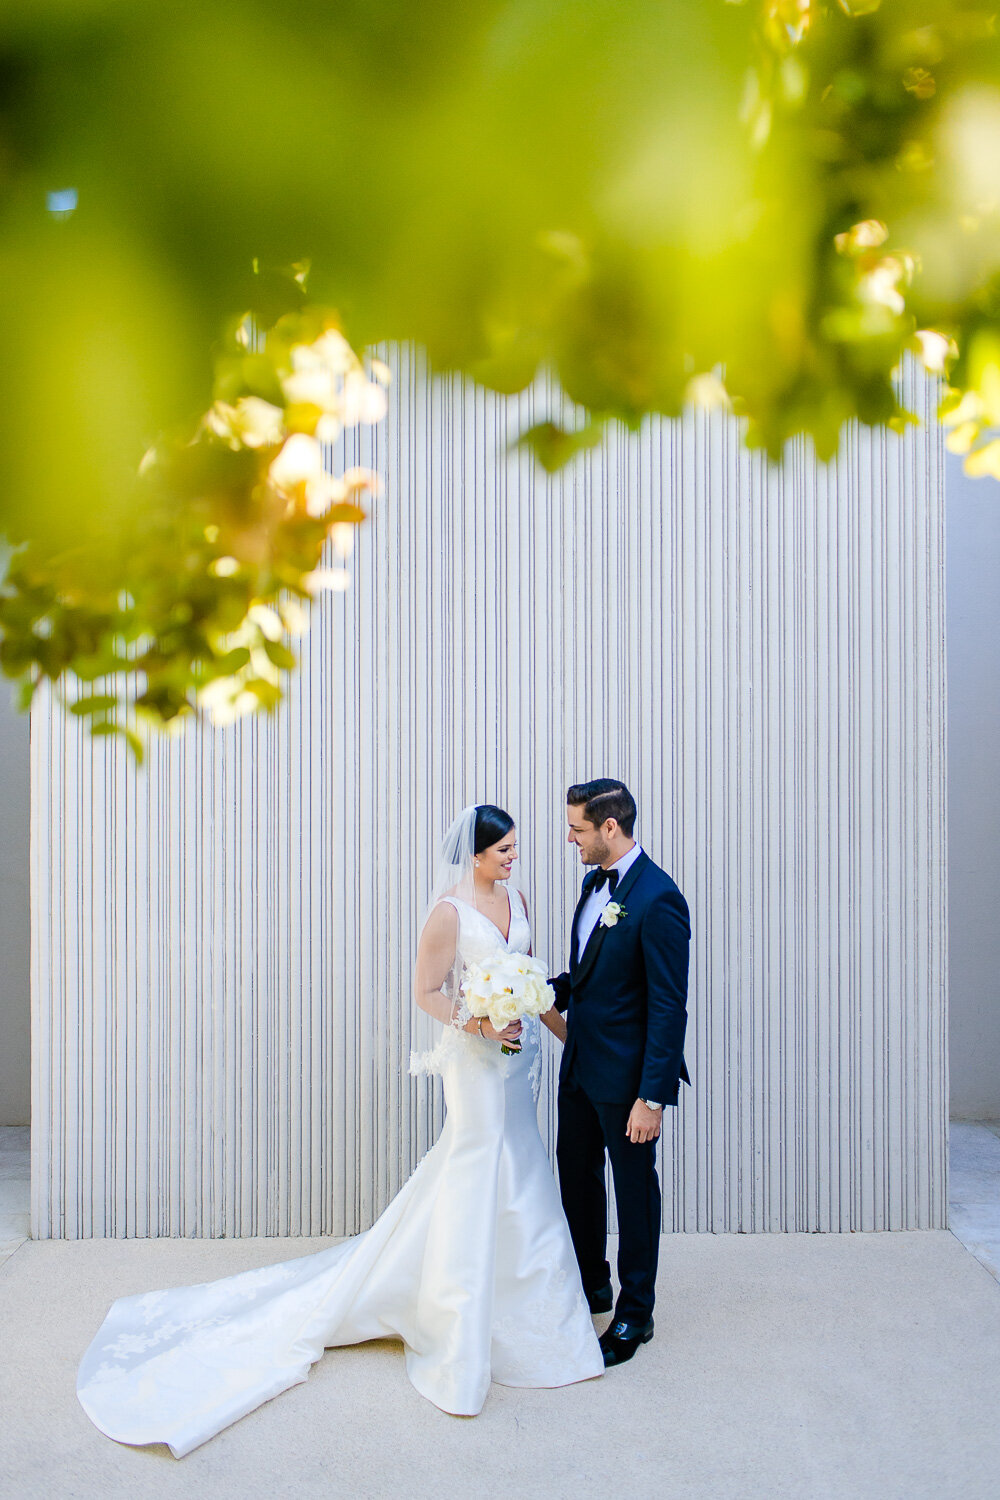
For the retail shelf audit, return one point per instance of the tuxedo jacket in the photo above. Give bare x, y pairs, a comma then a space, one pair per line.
625, 997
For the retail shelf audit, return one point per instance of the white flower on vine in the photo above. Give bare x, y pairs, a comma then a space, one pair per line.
708, 392
881, 285
314, 386
298, 471
935, 349
335, 580
225, 701
251, 423
267, 620
867, 235
293, 617
300, 460
342, 536
331, 350
363, 400
328, 375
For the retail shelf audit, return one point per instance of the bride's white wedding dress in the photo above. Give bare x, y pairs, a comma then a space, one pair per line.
471, 1265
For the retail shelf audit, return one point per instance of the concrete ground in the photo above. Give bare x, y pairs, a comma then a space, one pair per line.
804, 1366
861, 1367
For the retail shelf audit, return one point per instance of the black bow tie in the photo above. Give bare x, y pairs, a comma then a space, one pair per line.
611, 876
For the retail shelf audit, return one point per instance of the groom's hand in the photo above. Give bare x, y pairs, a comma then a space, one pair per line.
643, 1123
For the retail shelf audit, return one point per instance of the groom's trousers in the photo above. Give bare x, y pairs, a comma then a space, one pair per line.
586, 1130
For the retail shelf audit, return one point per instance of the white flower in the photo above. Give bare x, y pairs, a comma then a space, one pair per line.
362, 479
335, 579
225, 700
330, 349
508, 989
313, 387
299, 466
708, 392
867, 235
935, 349
293, 617
251, 423
265, 618
300, 460
611, 914
328, 375
342, 536
364, 401
881, 286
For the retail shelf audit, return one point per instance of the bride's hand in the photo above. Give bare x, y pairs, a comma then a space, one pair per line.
509, 1034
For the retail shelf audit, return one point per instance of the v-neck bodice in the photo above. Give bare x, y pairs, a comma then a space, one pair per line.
480, 939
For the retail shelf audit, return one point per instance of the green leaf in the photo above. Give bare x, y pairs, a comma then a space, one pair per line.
228, 664
553, 446
280, 655
97, 703
135, 745
103, 663
266, 692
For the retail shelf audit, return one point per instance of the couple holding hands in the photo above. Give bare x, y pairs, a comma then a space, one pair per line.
482, 1267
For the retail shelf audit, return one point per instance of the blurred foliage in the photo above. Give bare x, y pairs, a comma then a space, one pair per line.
760, 204
193, 595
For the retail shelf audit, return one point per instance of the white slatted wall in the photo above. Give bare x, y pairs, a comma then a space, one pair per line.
222, 942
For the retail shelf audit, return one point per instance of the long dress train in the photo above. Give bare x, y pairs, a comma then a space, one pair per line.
471, 1265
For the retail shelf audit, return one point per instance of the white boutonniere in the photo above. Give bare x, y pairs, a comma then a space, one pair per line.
612, 914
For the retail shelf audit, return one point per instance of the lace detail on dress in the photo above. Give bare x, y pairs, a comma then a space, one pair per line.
454, 1043
535, 1071
530, 1340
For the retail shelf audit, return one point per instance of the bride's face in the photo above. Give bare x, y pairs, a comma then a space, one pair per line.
496, 862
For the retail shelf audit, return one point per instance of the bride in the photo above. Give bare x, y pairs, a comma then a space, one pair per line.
471, 1264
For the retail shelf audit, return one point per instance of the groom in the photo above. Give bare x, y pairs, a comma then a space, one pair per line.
624, 999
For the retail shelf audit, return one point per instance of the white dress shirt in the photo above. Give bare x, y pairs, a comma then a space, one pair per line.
598, 900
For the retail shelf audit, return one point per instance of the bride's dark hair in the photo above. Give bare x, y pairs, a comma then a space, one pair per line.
492, 824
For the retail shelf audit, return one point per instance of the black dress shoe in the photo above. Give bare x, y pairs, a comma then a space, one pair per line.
603, 1300
621, 1341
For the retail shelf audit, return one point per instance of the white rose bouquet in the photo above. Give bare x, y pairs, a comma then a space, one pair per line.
509, 988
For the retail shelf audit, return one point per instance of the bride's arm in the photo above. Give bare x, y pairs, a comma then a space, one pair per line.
556, 1023
435, 961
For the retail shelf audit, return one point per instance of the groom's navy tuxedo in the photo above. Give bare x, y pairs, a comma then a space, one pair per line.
625, 1003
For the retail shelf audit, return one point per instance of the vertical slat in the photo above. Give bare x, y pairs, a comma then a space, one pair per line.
222, 942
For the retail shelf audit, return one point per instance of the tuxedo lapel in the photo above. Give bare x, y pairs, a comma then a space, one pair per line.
589, 956
588, 886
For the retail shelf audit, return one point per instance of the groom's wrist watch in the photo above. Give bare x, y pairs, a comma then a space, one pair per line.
652, 1104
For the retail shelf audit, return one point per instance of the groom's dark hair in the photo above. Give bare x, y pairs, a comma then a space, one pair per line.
602, 799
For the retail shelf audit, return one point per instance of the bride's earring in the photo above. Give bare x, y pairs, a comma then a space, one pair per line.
477, 864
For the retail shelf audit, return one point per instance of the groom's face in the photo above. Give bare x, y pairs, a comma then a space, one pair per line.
589, 839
